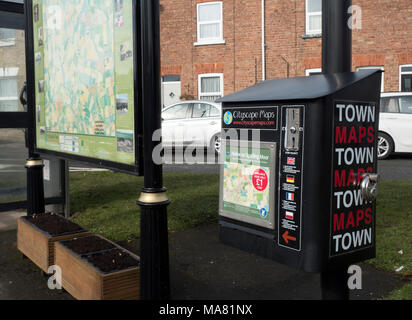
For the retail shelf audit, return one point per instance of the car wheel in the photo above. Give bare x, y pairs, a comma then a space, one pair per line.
216, 144
385, 146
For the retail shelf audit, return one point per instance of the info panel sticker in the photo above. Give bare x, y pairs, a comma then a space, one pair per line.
246, 188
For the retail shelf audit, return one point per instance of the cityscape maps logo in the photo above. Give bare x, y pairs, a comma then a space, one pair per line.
228, 118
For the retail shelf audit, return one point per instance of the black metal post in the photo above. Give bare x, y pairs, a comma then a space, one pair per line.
336, 58
334, 284
154, 268
337, 36
35, 187
34, 165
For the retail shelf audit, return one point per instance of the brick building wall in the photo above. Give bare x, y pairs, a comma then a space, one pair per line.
384, 40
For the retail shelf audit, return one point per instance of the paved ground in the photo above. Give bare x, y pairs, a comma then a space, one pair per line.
398, 167
201, 269
8, 220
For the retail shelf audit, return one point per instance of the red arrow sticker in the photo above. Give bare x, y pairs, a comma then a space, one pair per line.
288, 238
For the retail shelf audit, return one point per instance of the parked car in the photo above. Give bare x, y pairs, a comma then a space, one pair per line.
194, 123
395, 128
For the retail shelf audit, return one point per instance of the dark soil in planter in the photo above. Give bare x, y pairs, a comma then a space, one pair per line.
86, 245
112, 261
54, 225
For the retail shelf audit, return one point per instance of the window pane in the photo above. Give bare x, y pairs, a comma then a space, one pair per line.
9, 106
393, 106
384, 104
406, 83
315, 23
406, 69
209, 12
171, 79
214, 112
177, 112
210, 30
201, 110
8, 87
405, 104
210, 85
12, 70
210, 98
6, 34
314, 6
13, 157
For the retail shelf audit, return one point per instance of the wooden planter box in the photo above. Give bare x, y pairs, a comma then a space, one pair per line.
38, 245
84, 281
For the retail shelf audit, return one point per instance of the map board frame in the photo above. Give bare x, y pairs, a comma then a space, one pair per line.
137, 167
272, 185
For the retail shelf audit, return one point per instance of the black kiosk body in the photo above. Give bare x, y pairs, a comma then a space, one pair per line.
298, 174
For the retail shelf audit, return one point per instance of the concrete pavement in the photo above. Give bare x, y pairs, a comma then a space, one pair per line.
201, 268
8, 220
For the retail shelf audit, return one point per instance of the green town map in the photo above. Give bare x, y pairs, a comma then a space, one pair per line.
246, 183
84, 64
79, 95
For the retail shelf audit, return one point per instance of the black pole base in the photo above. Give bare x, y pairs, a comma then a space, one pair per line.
35, 187
154, 242
334, 284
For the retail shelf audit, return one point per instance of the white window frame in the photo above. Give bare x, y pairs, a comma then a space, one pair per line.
210, 75
309, 71
373, 68
308, 15
210, 41
402, 73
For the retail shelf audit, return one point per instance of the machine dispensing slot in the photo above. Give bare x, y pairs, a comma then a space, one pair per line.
292, 129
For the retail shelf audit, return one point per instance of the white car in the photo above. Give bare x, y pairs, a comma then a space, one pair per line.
192, 123
395, 128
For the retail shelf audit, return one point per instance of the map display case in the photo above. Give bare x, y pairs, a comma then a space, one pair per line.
247, 186
86, 80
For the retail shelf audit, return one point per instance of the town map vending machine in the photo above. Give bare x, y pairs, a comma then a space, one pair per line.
299, 164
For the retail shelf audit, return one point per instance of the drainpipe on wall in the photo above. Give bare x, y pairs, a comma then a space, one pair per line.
263, 43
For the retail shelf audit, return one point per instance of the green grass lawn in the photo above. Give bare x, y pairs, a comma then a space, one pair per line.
105, 203
394, 232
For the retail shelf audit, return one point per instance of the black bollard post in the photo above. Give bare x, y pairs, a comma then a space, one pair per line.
334, 284
154, 265
35, 187
336, 36
336, 57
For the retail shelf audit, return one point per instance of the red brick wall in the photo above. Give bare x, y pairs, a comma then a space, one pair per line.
385, 40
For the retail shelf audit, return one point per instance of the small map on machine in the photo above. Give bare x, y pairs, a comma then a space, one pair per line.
246, 189
79, 55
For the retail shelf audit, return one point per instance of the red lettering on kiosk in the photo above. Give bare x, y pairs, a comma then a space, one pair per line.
350, 221
371, 134
368, 214
356, 135
341, 135
362, 133
353, 136
342, 179
347, 220
338, 221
